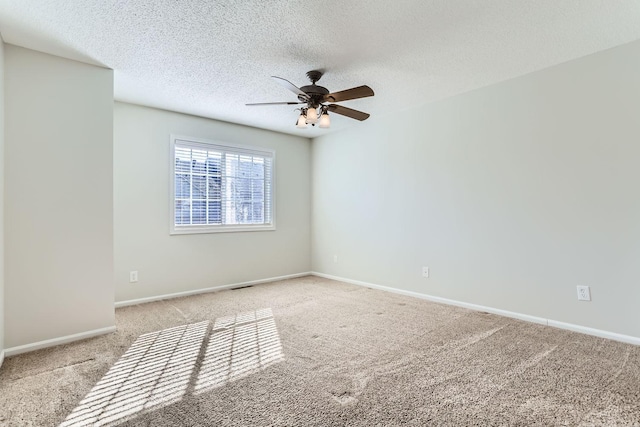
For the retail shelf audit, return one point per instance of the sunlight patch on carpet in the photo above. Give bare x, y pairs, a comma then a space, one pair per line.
239, 346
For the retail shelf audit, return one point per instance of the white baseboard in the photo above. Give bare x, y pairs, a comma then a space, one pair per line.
119, 304
57, 341
534, 319
1, 357
595, 332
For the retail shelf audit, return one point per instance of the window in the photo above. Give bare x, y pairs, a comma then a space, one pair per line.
220, 187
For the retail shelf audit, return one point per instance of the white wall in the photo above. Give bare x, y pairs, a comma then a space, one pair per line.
1, 200
180, 263
512, 194
58, 197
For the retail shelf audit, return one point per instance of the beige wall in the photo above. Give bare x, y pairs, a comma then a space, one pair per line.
169, 264
58, 197
512, 195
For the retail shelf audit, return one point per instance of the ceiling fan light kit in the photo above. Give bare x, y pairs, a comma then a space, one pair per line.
317, 99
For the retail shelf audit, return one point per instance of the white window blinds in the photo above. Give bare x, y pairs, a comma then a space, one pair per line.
220, 187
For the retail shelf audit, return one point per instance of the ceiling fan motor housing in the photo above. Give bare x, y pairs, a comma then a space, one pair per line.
316, 94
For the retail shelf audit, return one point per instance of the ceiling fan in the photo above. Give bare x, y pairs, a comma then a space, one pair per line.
319, 101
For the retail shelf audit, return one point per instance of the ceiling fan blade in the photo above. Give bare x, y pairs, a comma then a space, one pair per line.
290, 86
276, 103
349, 112
353, 93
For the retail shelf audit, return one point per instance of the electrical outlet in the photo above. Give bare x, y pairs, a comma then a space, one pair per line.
133, 276
584, 294
425, 271
335, 259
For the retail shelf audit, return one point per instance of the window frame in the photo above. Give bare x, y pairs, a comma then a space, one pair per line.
227, 147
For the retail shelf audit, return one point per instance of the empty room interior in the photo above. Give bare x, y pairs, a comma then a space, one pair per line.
223, 213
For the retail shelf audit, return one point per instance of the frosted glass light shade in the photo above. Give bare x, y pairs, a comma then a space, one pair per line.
302, 122
312, 116
325, 121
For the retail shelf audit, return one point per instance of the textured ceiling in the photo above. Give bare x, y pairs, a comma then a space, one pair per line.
209, 58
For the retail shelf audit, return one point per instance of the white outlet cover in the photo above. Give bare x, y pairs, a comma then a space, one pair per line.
584, 293
425, 271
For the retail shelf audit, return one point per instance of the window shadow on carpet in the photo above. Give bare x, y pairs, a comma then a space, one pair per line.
161, 368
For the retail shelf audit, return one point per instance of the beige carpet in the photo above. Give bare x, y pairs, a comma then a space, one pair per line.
314, 352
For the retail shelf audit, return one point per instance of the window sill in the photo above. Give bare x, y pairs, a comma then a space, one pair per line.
220, 229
